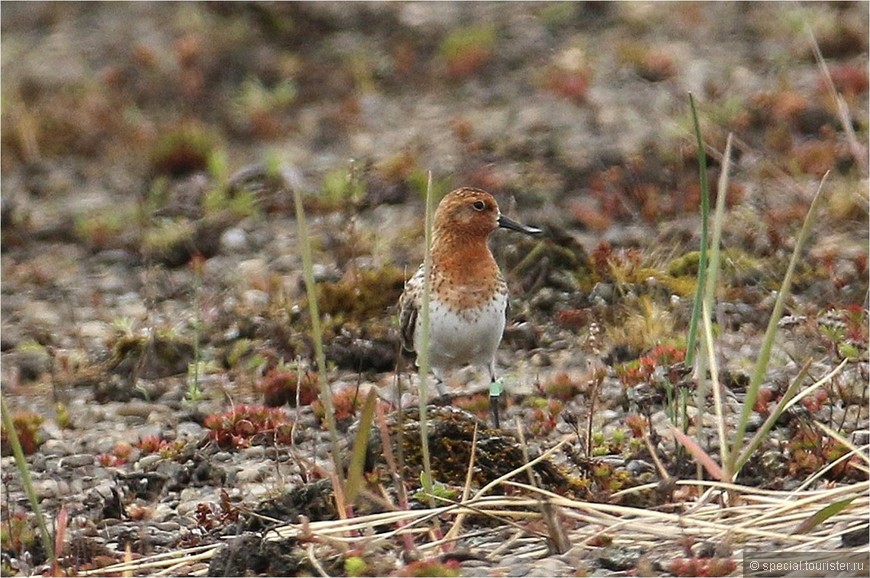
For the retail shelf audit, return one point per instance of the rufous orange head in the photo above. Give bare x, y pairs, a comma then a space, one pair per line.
472, 214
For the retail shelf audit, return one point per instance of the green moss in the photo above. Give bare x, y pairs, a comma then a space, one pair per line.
27, 426
106, 228
182, 150
168, 236
466, 50
355, 566
362, 295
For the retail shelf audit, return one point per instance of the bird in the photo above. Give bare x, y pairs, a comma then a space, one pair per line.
468, 296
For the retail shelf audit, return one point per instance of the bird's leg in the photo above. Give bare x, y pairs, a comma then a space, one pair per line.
495, 389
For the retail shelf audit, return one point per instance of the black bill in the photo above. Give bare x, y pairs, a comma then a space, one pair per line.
506, 223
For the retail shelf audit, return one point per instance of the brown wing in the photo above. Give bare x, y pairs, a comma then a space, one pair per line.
407, 322
409, 305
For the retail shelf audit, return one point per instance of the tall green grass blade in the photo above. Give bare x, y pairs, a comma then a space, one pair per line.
717, 393
708, 306
770, 335
26, 482
788, 399
317, 332
702, 261
360, 445
781, 406
827, 512
423, 350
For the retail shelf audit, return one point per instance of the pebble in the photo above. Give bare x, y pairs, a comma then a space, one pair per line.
234, 240
95, 330
40, 313
55, 448
253, 453
518, 570
149, 462
189, 430
540, 359
549, 567
48, 488
114, 256
77, 461
255, 298
163, 513
140, 409
252, 473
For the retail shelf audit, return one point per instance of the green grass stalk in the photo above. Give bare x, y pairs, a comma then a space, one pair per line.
317, 337
708, 306
423, 350
360, 443
761, 363
26, 481
702, 261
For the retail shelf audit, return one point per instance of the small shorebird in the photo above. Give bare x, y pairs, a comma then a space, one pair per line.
468, 297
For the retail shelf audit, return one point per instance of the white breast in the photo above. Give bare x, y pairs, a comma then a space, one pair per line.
469, 338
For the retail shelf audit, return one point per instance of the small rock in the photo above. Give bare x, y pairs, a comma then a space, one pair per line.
222, 457
637, 467
40, 313
114, 256
149, 462
160, 538
163, 511
253, 453
56, 448
77, 461
518, 570
755, 421
95, 330
189, 430
255, 298
168, 526
46, 488
549, 567
260, 491
234, 240
254, 473
137, 409
602, 292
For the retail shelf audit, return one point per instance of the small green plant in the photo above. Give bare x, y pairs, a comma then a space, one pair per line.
102, 229
257, 109
286, 387
702, 567
430, 567
355, 566
21, 463
183, 149
18, 533
562, 387
317, 338
243, 425
343, 188
466, 50
27, 426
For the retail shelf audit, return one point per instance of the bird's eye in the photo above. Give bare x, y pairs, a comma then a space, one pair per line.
479, 205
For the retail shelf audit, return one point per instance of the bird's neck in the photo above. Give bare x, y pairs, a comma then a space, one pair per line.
463, 259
